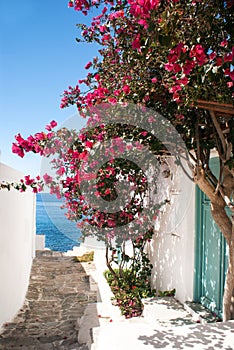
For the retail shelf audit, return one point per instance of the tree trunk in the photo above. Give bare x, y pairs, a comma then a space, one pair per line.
227, 228
228, 298
232, 306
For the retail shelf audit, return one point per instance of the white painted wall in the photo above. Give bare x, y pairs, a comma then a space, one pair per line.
17, 244
172, 248
40, 242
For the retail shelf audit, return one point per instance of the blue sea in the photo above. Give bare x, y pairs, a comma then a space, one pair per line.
60, 233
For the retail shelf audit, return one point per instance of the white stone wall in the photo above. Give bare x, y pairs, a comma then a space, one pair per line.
17, 244
172, 248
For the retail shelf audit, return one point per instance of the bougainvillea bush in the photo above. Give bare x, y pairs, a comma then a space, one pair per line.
172, 56
169, 56
130, 281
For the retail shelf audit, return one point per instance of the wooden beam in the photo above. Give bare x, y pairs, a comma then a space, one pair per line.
222, 109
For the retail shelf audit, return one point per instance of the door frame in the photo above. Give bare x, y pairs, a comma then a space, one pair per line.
199, 251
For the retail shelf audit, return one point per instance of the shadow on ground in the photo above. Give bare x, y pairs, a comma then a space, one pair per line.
209, 337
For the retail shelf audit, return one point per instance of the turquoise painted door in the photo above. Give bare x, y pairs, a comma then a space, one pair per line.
211, 255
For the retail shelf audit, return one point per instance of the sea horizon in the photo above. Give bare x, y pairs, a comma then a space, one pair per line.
60, 233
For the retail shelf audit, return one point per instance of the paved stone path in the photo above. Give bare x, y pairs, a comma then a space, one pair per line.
58, 294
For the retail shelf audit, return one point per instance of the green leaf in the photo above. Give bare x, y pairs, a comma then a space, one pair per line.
165, 40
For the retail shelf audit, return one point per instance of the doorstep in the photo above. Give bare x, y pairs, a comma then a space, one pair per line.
200, 312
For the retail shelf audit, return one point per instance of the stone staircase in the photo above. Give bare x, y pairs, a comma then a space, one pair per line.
68, 307
58, 294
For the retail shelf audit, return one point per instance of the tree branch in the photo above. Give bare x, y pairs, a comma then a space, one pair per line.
219, 132
207, 187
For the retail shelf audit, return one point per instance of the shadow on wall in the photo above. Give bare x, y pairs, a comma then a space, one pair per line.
172, 248
199, 337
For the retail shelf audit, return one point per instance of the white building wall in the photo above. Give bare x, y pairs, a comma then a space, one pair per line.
17, 244
172, 248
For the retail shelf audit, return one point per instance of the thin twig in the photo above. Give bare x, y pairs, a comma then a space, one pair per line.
198, 152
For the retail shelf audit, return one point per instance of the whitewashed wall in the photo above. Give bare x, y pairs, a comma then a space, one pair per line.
172, 248
17, 244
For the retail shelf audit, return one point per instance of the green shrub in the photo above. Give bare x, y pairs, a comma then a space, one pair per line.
129, 289
167, 293
130, 282
86, 257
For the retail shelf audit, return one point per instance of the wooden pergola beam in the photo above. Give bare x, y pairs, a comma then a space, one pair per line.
221, 109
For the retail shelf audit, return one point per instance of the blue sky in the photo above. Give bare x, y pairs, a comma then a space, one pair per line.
39, 59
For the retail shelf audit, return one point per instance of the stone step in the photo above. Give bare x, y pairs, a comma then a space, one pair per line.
48, 253
59, 291
43, 343
200, 312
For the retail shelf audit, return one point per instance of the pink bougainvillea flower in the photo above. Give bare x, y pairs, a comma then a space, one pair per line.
52, 125
126, 89
142, 8
116, 14
89, 144
112, 100
47, 178
179, 116
151, 119
169, 67
106, 38
97, 77
83, 155
229, 73
88, 65
188, 66
17, 150
183, 81
212, 55
175, 88
103, 29
224, 43
219, 61
60, 171
198, 52
107, 191
144, 133
144, 23
136, 44
111, 223
28, 181
228, 57
117, 92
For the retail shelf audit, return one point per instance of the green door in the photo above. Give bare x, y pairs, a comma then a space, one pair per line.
211, 255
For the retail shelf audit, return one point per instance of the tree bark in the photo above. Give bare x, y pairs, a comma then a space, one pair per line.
228, 299
227, 228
